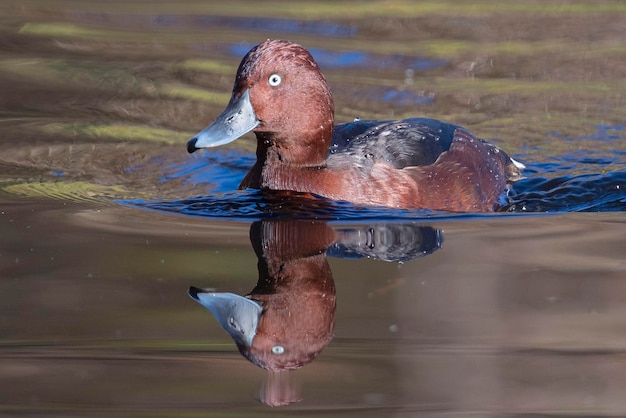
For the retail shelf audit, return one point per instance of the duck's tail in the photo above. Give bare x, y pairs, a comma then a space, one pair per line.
513, 170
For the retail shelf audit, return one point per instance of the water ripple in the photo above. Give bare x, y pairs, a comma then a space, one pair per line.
582, 193
250, 205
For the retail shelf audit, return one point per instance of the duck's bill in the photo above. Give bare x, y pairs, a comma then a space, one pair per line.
239, 316
237, 119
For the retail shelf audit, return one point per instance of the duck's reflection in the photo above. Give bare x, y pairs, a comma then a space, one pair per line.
289, 317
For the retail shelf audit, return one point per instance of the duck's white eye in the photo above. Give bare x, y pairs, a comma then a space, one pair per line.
278, 349
275, 80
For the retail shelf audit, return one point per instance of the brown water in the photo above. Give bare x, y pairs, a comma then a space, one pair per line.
502, 315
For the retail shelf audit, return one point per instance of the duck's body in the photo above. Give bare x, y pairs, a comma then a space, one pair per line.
413, 163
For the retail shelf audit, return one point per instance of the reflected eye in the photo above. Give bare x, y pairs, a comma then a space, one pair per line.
274, 80
278, 349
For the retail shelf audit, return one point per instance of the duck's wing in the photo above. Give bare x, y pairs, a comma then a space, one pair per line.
404, 143
410, 142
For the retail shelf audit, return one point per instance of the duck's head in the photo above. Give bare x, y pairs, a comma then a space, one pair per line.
281, 95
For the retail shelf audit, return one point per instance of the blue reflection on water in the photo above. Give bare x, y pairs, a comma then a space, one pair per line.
405, 98
589, 178
603, 133
217, 171
327, 58
268, 24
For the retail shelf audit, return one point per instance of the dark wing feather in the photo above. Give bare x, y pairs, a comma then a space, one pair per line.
404, 143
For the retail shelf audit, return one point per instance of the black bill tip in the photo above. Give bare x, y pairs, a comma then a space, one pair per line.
191, 145
194, 291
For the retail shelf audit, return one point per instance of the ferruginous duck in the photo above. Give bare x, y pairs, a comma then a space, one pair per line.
281, 95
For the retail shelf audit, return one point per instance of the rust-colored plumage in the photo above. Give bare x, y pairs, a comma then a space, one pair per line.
297, 292
412, 163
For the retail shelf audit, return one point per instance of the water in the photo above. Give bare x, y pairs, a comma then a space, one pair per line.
107, 221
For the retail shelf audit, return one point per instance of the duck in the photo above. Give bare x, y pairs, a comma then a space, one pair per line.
281, 95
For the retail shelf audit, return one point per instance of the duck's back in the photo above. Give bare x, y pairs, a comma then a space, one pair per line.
404, 143
412, 142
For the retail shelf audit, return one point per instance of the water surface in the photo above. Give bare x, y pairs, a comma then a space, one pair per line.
107, 221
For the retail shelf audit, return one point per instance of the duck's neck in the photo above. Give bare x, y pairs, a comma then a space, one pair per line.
287, 167
307, 147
